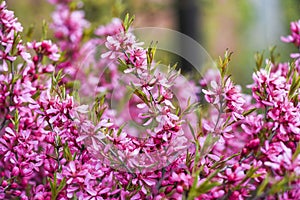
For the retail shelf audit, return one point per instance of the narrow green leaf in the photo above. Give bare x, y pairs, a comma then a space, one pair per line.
248, 112
207, 187
62, 184
296, 152
209, 142
192, 130
66, 152
44, 30
29, 32
128, 21
216, 164
262, 186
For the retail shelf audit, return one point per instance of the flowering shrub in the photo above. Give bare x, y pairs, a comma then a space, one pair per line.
58, 144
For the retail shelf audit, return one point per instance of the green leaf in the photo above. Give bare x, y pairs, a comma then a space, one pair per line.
259, 57
53, 187
192, 130
191, 108
120, 129
291, 71
273, 57
16, 78
196, 175
224, 62
74, 156
44, 30
197, 156
16, 120
17, 40
262, 186
217, 164
29, 32
128, 21
295, 85
296, 152
248, 112
51, 184
141, 95
122, 65
99, 106
66, 152
151, 53
62, 184
208, 143
279, 186
250, 174
206, 186
268, 67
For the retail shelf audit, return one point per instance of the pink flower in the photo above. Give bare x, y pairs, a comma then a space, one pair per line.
45, 48
295, 34
8, 19
70, 25
282, 160
117, 44
269, 88
113, 28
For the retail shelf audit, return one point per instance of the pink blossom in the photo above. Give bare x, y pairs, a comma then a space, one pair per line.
113, 28
49, 137
294, 37
45, 48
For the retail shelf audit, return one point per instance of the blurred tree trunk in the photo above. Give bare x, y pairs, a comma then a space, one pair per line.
188, 24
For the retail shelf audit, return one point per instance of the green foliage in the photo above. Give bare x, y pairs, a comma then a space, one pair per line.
127, 22
259, 58
55, 187
294, 86
204, 187
16, 120
223, 63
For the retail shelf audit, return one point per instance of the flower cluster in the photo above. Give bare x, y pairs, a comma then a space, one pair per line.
158, 144
295, 39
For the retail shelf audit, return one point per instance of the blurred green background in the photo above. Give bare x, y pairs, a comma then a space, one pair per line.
243, 26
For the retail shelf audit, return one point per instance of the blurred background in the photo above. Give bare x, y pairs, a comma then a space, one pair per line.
244, 26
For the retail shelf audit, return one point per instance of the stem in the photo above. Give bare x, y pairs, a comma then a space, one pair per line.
220, 112
11, 93
116, 156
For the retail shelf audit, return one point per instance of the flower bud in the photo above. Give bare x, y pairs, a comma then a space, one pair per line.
235, 195
15, 171
24, 182
231, 177
35, 59
291, 145
244, 151
235, 166
179, 189
4, 183
8, 117
169, 189
17, 193
14, 185
253, 144
164, 183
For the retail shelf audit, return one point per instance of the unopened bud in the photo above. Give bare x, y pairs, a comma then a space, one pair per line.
15, 171
253, 144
